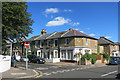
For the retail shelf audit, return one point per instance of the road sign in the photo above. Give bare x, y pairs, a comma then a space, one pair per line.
26, 44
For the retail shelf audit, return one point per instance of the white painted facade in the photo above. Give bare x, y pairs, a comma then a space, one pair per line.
66, 53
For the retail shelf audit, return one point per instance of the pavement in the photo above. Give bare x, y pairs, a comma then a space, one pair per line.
19, 73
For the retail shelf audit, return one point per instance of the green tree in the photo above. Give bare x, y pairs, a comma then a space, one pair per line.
16, 21
98, 49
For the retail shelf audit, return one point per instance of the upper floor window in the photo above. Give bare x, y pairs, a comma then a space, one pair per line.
36, 44
67, 41
55, 42
48, 43
116, 47
41, 43
86, 41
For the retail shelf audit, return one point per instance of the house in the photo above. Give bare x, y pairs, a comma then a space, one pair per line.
107, 45
18, 47
62, 45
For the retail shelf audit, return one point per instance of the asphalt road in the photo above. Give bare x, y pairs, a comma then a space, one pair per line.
52, 71
94, 72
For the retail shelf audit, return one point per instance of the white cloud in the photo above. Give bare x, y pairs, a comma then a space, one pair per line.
92, 34
69, 10
51, 10
108, 37
75, 24
82, 31
58, 21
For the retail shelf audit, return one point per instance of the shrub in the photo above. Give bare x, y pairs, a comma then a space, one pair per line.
93, 58
106, 56
87, 56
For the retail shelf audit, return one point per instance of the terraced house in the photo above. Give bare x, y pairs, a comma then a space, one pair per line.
109, 46
62, 45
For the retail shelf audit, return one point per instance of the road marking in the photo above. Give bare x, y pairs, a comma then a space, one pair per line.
54, 72
47, 74
108, 73
41, 68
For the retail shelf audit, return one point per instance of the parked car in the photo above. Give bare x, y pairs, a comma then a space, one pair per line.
114, 60
23, 58
13, 62
35, 59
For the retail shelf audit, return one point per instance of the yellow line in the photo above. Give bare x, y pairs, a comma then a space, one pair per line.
41, 74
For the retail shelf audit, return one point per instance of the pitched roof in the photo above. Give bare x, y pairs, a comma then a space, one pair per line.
32, 38
68, 33
77, 33
43, 37
104, 40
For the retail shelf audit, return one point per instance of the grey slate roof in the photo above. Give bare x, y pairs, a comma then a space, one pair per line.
57, 35
32, 38
77, 33
69, 33
104, 41
43, 37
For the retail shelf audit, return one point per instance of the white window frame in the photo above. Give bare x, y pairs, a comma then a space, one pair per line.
54, 42
47, 43
66, 41
86, 41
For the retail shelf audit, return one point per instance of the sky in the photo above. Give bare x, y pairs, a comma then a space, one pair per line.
96, 19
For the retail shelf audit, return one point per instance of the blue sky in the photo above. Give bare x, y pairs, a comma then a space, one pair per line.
93, 18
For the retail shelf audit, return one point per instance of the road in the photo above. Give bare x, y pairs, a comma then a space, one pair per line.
54, 71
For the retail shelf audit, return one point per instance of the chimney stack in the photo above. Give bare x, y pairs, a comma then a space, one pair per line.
43, 32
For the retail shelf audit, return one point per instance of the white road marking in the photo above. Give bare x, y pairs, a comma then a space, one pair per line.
47, 73
54, 72
108, 73
41, 68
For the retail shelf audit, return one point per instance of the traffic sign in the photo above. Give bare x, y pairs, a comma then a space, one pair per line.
26, 44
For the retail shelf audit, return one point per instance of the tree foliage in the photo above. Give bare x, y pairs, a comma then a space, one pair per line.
16, 21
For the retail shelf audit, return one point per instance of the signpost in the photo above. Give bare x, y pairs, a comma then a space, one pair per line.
26, 46
80, 57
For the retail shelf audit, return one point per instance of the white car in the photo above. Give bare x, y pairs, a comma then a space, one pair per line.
23, 58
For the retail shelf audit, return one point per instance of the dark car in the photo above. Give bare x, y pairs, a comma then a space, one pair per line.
35, 59
114, 60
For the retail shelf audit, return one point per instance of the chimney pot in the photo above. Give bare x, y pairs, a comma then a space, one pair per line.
43, 32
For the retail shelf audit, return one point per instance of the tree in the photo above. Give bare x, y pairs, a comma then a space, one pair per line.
16, 21
98, 49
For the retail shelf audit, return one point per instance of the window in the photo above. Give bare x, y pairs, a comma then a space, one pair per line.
67, 42
56, 54
86, 41
116, 48
41, 43
36, 44
48, 43
55, 43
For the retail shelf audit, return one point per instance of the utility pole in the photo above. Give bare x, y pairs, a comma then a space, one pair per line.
26, 60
